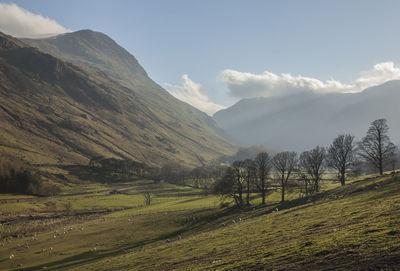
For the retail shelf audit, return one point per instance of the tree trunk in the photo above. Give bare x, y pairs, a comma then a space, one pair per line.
316, 188
263, 193
248, 192
343, 177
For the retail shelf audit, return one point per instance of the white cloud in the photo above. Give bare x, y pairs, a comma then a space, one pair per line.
268, 84
193, 94
19, 22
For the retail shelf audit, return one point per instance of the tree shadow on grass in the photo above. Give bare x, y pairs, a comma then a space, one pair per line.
91, 256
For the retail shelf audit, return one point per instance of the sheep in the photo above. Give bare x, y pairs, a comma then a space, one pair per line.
12, 256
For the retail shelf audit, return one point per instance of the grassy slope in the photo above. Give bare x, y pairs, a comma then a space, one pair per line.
354, 227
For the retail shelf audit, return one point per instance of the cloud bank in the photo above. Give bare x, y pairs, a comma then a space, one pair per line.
268, 84
20, 23
193, 94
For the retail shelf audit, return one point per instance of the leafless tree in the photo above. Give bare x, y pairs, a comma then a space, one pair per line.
147, 197
284, 164
376, 147
396, 159
250, 168
311, 163
227, 185
263, 167
239, 171
341, 156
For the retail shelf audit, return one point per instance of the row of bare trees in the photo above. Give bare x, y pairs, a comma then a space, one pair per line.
286, 170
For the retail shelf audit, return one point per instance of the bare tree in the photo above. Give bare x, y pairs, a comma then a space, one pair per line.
396, 159
238, 168
147, 198
376, 147
250, 168
341, 156
311, 166
284, 164
263, 167
227, 186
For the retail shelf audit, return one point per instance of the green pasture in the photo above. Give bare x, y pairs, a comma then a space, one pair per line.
186, 229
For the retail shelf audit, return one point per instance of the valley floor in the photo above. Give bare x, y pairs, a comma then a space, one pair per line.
356, 227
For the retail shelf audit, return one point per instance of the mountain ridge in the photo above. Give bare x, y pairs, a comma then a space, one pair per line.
59, 112
151, 94
301, 121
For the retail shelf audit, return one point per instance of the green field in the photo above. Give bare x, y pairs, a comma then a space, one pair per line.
351, 227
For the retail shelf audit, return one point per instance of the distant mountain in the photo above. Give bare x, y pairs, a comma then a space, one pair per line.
302, 121
103, 103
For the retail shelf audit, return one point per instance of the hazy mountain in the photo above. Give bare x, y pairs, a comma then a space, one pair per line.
52, 111
304, 120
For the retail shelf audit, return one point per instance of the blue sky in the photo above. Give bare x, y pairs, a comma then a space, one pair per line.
320, 40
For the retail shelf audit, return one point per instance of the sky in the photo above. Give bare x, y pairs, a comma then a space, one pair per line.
212, 53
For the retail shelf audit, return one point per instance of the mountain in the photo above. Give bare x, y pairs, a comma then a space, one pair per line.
57, 111
302, 121
88, 48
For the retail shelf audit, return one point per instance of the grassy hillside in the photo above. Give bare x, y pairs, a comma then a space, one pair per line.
343, 228
349, 228
53, 112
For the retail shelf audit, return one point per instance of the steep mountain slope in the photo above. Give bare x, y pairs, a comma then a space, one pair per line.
304, 120
55, 112
97, 50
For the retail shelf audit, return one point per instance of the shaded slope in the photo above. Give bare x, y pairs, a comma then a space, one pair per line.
55, 112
